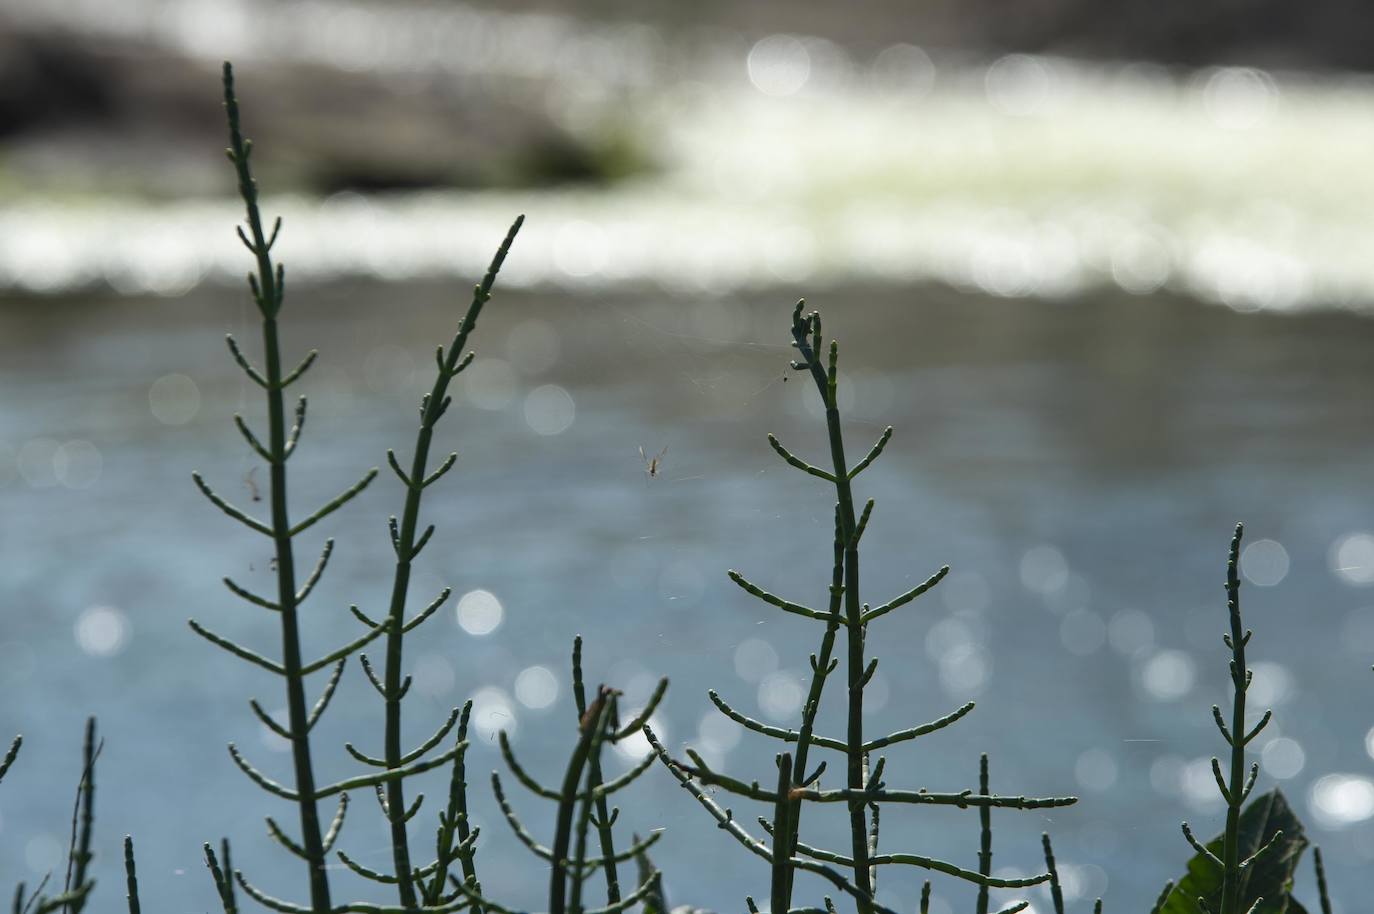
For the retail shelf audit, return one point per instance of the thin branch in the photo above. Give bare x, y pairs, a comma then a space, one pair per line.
758, 726
872, 454
779, 602
235, 649
235, 513
907, 597
336, 503
797, 462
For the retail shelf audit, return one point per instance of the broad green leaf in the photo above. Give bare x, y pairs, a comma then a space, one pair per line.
1270, 878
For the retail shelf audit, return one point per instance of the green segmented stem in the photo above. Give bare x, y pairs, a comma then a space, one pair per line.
407, 546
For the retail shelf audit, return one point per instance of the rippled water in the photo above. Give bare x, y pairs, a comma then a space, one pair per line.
1079, 465
1012, 252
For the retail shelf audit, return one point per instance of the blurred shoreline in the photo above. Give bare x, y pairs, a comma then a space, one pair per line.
718, 167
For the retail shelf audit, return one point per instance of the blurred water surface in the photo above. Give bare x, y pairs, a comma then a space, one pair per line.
1079, 464
750, 160
1022, 256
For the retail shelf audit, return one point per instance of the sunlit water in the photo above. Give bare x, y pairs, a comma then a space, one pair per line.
780, 159
1079, 466
1075, 437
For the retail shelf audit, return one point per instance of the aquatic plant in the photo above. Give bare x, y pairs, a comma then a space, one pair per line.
1247, 869
407, 544
77, 884
582, 800
796, 781
453, 845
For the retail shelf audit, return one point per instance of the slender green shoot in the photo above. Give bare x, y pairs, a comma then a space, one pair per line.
407, 541
1236, 788
583, 799
1320, 866
267, 286
130, 876
864, 791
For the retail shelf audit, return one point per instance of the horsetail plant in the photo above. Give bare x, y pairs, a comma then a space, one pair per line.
1248, 869
1235, 789
982, 902
407, 545
268, 289
1320, 867
1056, 888
583, 805
77, 886
797, 782
131, 877
1223, 877
222, 875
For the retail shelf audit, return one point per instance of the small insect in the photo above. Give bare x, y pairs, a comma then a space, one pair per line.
252, 484
652, 465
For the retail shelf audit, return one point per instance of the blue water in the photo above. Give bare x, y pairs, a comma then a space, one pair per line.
1127, 435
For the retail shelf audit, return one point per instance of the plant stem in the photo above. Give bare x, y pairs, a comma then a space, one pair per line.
269, 295
131, 876
604, 833
820, 671
781, 894
79, 852
826, 381
985, 827
584, 816
592, 722
435, 404
1240, 679
1322, 895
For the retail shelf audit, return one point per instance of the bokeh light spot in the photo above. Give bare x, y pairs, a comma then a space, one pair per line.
479, 612
536, 687
1264, 563
1352, 558
1340, 800
755, 659
1095, 770
1168, 675
77, 464
1044, 570
549, 410
1283, 758
780, 695
174, 399
492, 712
779, 65
102, 631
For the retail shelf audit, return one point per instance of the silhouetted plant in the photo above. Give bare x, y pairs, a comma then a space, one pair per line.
1318, 865
1249, 868
407, 545
77, 886
1057, 890
583, 805
222, 875
131, 877
268, 286
796, 781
